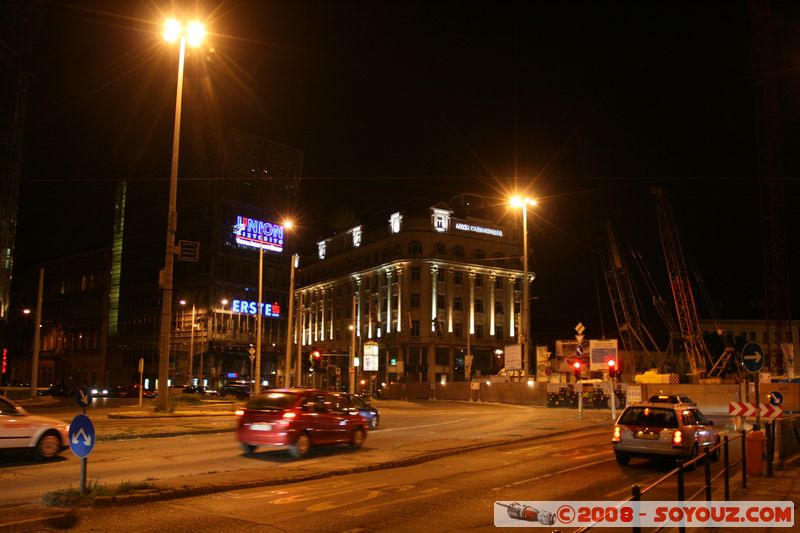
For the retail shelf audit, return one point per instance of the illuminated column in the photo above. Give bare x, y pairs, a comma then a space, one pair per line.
378, 311
358, 305
491, 304
450, 300
315, 314
434, 283
330, 321
370, 299
322, 328
301, 312
510, 299
399, 299
471, 302
388, 300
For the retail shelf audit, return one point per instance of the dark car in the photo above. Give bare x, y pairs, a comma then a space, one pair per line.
133, 392
299, 419
240, 392
365, 409
202, 390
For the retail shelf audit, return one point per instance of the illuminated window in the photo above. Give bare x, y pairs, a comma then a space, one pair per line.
440, 219
356, 236
394, 222
322, 245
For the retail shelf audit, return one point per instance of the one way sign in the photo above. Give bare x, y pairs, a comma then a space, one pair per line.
81, 436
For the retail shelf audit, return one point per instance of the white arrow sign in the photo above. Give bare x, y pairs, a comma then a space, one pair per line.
87, 440
755, 356
84, 398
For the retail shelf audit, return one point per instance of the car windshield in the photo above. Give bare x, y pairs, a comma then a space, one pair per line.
649, 416
273, 401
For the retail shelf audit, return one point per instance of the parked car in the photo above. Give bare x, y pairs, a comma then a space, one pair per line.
133, 392
117, 391
662, 430
20, 430
671, 398
202, 390
299, 419
365, 408
240, 392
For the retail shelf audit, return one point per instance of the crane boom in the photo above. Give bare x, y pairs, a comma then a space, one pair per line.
685, 307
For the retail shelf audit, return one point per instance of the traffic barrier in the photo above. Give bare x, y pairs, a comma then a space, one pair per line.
755, 453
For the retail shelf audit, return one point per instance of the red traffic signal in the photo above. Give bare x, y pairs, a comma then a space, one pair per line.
316, 355
612, 368
576, 369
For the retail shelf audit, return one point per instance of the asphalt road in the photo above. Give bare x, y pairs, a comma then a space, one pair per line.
451, 494
407, 429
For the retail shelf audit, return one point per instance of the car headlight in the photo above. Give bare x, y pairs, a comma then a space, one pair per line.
94, 391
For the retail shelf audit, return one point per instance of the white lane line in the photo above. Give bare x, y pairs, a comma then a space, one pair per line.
423, 426
551, 474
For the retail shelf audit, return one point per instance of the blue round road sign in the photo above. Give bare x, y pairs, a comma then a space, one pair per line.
753, 356
775, 398
81, 436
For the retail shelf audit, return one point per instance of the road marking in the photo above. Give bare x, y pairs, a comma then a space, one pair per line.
424, 426
551, 474
327, 506
426, 493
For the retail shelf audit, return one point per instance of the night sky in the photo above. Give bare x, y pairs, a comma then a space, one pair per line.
587, 104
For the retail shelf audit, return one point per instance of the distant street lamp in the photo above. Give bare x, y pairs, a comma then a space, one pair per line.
293, 261
194, 33
524, 202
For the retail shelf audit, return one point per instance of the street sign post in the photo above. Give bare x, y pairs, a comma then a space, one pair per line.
81, 442
83, 396
753, 360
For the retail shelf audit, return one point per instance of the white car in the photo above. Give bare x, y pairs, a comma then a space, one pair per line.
20, 430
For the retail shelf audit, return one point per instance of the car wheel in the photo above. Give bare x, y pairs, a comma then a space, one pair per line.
301, 446
692, 456
49, 446
374, 421
358, 439
715, 454
248, 448
623, 459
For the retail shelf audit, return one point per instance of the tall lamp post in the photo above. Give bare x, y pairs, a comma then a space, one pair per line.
524, 202
193, 33
190, 364
287, 381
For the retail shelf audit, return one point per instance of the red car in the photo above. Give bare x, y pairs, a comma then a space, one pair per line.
299, 419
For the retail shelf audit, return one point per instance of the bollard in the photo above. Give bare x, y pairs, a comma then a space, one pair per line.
744, 460
755, 453
770, 447
636, 495
681, 493
707, 469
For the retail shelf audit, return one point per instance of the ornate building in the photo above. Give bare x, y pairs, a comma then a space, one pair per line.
430, 289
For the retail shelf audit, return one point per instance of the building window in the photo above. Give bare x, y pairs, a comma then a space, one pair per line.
458, 251
458, 277
440, 301
498, 282
479, 254
322, 248
479, 306
457, 305
498, 332
458, 330
394, 222
415, 273
415, 247
478, 280
498, 308
414, 300
440, 219
356, 236
439, 248
415, 328
478, 331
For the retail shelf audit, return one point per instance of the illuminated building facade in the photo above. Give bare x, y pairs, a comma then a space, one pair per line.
428, 287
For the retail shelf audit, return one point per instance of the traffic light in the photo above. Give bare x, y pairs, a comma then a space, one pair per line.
576, 369
317, 358
613, 371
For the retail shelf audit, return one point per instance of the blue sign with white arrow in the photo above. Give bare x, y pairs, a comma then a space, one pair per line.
775, 398
81, 436
83, 396
752, 357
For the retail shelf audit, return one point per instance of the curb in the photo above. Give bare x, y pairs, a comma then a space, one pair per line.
165, 434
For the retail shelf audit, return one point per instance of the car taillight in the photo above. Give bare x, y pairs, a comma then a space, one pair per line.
617, 433
239, 412
677, 437
289, 414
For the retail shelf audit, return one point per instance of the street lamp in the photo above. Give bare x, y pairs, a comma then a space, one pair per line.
293, 261
524, 202
193, 33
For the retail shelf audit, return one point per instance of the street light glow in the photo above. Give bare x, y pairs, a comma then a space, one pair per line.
288, 224
182, 302
172, 29
224, 301
196, 32
519, 201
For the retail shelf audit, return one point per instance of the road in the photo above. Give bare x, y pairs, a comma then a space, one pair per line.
407, 429
455, 493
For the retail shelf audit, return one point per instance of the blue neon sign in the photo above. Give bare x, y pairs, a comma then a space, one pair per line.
246, 307
258, 234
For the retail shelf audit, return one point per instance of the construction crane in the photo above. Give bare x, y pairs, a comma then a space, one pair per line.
665, 313
633, 333
696, 349
721, 363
